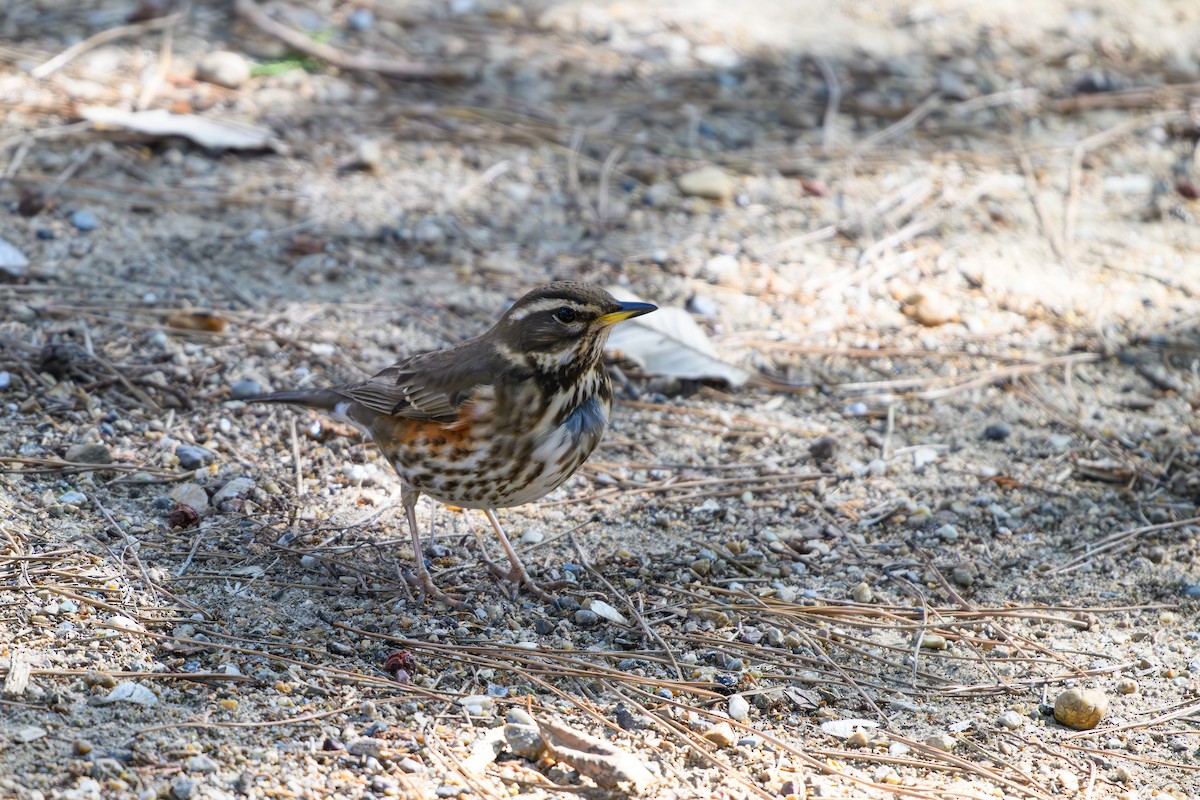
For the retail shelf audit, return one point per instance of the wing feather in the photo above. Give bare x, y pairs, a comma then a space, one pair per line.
430, 386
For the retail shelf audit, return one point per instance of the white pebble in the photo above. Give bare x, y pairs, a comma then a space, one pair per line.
948, 533
739, 708
1011, 720
923, 456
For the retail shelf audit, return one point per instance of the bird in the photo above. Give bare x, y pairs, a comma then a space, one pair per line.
496, 421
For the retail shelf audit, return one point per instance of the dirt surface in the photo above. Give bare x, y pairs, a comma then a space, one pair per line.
955, 243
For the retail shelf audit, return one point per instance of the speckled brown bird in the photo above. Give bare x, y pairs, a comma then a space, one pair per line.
496, 421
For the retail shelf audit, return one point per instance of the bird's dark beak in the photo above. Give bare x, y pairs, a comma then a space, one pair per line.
625, 311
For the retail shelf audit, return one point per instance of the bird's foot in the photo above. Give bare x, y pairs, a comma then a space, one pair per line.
424, 583
517, 576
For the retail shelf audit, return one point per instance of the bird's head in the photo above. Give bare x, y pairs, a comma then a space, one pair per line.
561, 328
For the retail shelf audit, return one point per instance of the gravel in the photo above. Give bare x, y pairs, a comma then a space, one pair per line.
884, 274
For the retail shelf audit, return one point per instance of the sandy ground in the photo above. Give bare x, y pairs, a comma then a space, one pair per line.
955, 243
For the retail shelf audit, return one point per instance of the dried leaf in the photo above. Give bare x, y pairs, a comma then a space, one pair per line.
213, 134
131, 692
599, 760
670, 343
606, 611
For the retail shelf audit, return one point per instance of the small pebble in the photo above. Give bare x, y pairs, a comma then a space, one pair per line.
477, 704
28, 734
710, 182
721, 268
824, 448
931, 310
5, 380
245, 389
1059, 442
429, 232
703, 306
1011, 720
524, 740
924, 456
361, 19
1127, 686
84, 220
194, 457
739, 708
236, 488
72, 498
182, 788
964, 574
13, 262
519, 716
947, 533
1081, 709
585, 618
201, 763
89, 453
863, 594
721, 734
223, 68
941, 741
997, 432
858, 739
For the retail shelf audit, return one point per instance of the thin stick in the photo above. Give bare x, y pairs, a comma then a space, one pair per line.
602, 201
296, 462
103, 37
907, 122
1031, 188
1118, 539
160, 71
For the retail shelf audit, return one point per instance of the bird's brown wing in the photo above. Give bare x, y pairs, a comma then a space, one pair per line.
430, 386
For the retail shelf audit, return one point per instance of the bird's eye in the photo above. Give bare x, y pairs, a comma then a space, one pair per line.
565, 314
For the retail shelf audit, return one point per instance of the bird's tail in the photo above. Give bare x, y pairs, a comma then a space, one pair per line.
323, 399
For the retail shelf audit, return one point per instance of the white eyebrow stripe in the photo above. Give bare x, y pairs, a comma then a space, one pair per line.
545, 304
